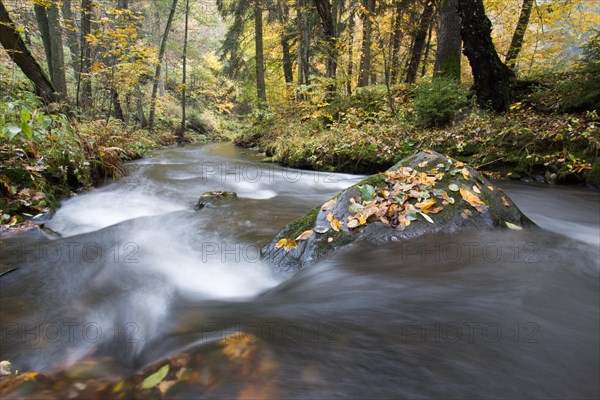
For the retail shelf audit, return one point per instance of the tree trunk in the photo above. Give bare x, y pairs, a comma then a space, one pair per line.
447, 58
20, 54
58, 55
351, 25
161, 52
43, 25
324, 9
419, 42
84, 83
71, 29
516, 43
286, 36
365, 56
117, 105
261, 89
300, 42
398, 33
183, 126
427, 48
493, 81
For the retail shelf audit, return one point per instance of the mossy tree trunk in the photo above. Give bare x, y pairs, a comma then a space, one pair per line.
447, 58
493, 81
20, 54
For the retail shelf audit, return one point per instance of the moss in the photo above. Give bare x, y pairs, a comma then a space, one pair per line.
593, 177
340, 239
377, 180
302, 224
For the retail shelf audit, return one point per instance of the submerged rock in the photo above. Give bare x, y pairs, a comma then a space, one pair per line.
215, 199
421, 194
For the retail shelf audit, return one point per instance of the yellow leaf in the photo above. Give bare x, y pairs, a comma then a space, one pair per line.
305, 235
459, 164
329, 204
506, 203
491, 188
330, 217
290, 245
471, 198
335, 225
476, 189
280, 243
425, 206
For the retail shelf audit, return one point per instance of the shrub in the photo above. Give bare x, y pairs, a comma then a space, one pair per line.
436, 102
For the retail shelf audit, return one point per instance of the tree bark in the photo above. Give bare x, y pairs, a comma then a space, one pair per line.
351, 25
493, 81
516, 43
398, 34
286, 36
58, 56
41, 17
161, 52
325, 11
365, 56
71, 29
84, 83
261, 88
183, 126
447, 58
419, 42
302, 40
20, 54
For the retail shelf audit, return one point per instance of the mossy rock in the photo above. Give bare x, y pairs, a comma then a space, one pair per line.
215, 199
593, 177
497, 212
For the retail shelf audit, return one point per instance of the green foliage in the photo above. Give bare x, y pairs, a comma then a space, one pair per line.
437, 102
577, 90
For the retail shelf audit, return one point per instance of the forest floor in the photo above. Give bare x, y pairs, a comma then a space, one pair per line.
524, 143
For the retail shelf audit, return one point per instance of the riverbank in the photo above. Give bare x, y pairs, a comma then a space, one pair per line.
522, 144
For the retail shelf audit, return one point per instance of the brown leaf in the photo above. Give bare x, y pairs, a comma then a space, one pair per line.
305, 235
329, 204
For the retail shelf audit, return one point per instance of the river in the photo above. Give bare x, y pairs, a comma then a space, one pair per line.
138, 275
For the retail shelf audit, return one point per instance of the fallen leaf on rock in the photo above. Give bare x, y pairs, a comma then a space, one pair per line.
353, 223
506, 203
513, 226
476, 189
427, 217
491, 188
336, 225
466, 214
329, 240
471, 198
305, 235
330, 217
465, 173
326, 206
453, 187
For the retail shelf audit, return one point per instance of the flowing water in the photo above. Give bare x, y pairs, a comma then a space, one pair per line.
138, 276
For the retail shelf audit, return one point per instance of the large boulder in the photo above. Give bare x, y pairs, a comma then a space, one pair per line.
422, 194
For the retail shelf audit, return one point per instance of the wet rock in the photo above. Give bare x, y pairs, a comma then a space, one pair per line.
215, 199
422, 194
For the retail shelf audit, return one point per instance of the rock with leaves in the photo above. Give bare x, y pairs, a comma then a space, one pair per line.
422, 194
